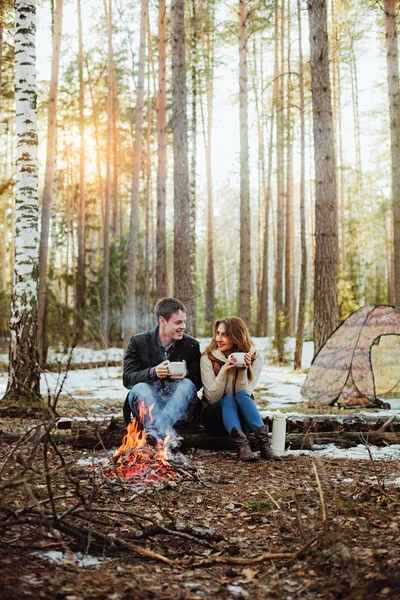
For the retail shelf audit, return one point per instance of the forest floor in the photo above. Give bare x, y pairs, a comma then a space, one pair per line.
310, 526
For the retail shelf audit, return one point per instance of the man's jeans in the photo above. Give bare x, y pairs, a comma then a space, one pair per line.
232, 411
168, 408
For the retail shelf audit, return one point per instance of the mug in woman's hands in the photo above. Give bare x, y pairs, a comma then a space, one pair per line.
237, 359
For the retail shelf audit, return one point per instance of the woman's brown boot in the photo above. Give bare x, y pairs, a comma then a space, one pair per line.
264, 443
241, 445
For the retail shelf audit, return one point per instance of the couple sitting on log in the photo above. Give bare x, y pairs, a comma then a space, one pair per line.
160, 397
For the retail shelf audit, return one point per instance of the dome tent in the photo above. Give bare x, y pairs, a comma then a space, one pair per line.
359, 361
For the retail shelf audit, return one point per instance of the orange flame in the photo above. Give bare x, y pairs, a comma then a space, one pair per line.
142, 458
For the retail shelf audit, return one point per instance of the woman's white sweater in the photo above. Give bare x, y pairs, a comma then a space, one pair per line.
227, 382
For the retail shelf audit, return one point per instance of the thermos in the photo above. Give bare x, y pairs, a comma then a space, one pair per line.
279, 433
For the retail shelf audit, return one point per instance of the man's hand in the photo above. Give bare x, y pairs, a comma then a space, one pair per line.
178, 377
162, 369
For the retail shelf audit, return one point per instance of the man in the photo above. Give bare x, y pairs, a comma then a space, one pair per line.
166, 399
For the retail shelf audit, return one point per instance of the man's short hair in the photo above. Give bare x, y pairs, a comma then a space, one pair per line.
167, 307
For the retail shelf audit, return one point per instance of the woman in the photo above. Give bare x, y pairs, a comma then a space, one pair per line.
227, 389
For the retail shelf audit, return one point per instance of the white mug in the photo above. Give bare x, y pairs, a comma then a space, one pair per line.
239, 356
176, 369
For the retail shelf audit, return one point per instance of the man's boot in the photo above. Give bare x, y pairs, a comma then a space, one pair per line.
264, 443
241, 445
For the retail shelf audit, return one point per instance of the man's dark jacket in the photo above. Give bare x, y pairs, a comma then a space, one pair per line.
143, 353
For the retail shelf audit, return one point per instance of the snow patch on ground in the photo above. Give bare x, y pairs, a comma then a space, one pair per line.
358, 452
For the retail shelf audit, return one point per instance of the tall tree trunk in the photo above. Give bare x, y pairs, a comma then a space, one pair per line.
326, 237
392, 59
208, 48
263, 308
193, 164
183, 284
338, 135
23, 386
108, 194
115, 194
290, 316
148, 195
278, 94
161, 256
96, 137
245, 258
129, 322
49, 179
80, 273
303, 274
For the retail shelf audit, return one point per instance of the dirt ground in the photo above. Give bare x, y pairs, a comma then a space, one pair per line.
300, 528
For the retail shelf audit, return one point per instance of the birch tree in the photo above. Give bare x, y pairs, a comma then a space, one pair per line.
326, 234
23, 387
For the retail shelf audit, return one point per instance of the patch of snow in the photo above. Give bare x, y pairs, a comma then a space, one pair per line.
79, 559
101, 384
395, 482
358, 452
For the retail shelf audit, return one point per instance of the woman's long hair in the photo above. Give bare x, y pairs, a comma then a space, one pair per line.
238, 332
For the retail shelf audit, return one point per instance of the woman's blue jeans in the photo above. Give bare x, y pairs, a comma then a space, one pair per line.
232, 411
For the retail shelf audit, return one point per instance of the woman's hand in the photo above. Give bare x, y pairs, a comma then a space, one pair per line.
247, 360
229, 366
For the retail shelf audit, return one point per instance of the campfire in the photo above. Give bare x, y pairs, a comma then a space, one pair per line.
138, 462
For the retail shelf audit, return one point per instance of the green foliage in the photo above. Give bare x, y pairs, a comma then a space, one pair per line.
346, 301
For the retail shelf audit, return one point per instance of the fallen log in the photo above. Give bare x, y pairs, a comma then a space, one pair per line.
294, 424
96, 436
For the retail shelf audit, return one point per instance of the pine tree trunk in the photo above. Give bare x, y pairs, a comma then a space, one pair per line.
108, 194
129, 322
193, 163
245, 257
161, 257
326, 237
23, 387
49, 179
96, 137
208, 46
263, 308
115, 195
392, 59
303, 274
278, 95
290, 317
183, 284
80, 273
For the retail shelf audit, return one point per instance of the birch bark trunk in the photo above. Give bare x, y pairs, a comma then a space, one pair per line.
392, 59
23, 386
326, 235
